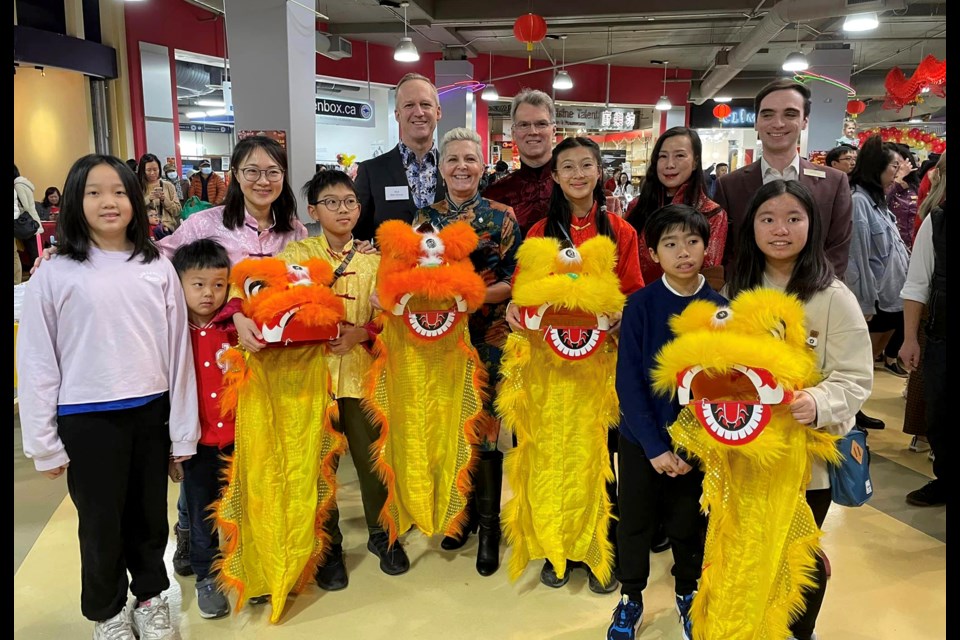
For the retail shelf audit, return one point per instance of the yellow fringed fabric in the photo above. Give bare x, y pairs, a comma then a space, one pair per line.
281, 481
426, 398
560, 411
761, 536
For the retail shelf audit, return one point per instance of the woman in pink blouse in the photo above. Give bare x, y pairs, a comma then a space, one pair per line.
258, 217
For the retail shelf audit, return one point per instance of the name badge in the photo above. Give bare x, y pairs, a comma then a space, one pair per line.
397, 193
815, 173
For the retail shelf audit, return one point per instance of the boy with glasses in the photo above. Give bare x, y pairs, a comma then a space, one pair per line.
333, 204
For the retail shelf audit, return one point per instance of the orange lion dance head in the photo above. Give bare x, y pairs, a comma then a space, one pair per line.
289, 302
426, 275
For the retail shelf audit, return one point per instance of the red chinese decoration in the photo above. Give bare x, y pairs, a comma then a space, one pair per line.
530, 29
930, 74
856, 107
721, 111
912, 137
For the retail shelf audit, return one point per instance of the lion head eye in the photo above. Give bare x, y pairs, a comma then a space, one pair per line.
569, 255
721, 317
252, 287
430, 243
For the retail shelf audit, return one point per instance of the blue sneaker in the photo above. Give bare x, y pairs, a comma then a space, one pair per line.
683, 608
627, 618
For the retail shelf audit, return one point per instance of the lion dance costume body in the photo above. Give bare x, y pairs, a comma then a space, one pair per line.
424, 388
558, 396
281, 480
736, 370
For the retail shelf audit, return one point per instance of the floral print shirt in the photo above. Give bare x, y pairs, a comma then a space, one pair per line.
421, 175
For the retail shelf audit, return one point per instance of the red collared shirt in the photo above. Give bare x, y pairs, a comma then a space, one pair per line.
209, 342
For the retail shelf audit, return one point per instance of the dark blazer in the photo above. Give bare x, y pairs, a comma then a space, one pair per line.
373, 177
831, 193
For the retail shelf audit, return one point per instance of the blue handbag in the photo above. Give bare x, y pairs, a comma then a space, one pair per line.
850, 484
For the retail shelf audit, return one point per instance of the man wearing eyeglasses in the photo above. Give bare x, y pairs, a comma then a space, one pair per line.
395, 184
528, 189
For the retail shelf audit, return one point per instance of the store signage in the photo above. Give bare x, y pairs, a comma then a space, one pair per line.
205, 127
595, 119
742, 116
357, 113
499, 110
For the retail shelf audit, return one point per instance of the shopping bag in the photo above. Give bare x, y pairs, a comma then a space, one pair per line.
193, 204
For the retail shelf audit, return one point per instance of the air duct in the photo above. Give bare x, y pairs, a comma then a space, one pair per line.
782, 14
194, 80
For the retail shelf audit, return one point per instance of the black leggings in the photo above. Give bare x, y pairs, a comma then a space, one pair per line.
819, 501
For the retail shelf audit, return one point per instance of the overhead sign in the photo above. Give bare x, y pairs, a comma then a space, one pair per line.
205, 127
742, 115
595, 119
356, 113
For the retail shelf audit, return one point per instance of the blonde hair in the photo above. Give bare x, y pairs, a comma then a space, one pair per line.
938, 192
460, 134
416, 76
533, 97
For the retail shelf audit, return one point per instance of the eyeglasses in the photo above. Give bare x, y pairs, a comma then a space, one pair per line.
585, 168
540, 125
333, 204
251, 174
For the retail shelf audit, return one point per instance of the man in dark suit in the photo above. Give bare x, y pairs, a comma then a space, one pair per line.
395, 184
783, 109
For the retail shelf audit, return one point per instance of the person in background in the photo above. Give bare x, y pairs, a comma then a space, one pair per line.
461, 163
781, 247
623, 185
902, 195
395, 184
674, 176
926, 177
611, 184
159, 191
50, 206
721, 169
112, 412
23, 191
500, 170
528, 190
132, 163
204, 270
207, 185
878, 259
659, 489
925, 294
332, 201
181, 185
157, 230
842, 158
783, 111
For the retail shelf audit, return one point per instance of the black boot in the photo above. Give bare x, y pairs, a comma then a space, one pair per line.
865, 421
489, 479
451, 543
332, 574
181, 557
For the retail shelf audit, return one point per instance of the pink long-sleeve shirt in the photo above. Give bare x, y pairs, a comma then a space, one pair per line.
102, 330
244, 242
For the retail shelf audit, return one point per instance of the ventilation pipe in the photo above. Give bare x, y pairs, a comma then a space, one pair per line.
780, 15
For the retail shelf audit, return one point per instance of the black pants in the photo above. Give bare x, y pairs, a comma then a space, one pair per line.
203, 483
936, 395
802, 629
361, 434
117, 479
648, 499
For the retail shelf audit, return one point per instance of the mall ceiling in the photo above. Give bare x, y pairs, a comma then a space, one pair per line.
692, 34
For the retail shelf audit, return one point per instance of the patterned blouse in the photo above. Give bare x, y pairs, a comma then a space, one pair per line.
421, 175
494, 259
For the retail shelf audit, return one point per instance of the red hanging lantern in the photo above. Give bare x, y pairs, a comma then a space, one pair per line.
856, 107
530, 29
721, 111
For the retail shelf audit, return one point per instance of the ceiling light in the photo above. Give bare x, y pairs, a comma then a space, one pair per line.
490, 91
796, 61
196, 114
914, 121
406, 51
925, 90
210, 103
563, 80
722, 99
861, 21
663, 104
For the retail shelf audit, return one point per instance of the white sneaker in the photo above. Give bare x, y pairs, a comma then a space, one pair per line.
919, 446
116, 628
151, 620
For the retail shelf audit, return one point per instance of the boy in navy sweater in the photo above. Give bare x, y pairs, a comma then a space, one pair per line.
658, 486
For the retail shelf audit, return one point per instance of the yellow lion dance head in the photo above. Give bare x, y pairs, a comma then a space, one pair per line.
568, 293
734, 364
426, 275
289, 302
